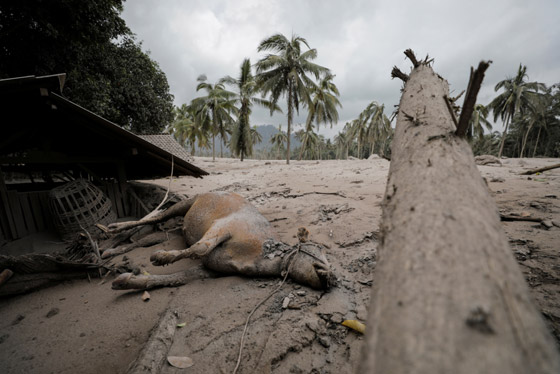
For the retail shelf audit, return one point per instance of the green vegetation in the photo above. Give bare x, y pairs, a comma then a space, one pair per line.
109, 74
107, 71
530, 112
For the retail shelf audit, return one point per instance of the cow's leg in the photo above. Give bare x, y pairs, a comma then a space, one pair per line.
177, 210
210, 240
128, 281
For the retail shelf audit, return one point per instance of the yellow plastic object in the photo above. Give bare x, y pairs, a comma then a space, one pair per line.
355, 325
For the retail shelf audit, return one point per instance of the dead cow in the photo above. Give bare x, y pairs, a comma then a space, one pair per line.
231, 237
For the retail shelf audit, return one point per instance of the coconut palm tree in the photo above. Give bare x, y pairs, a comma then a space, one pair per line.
322, 109
341, 144
378, 125
246, 85
256, 136
215, 108
514, 99
184, 127
359, 132
540, 115
279, 139
286, 74
478, 122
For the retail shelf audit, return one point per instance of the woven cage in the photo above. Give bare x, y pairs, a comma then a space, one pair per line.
79, 204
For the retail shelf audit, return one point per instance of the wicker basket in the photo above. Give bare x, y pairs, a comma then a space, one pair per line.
79, 204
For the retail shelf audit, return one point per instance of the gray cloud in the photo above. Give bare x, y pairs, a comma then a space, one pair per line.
360, 41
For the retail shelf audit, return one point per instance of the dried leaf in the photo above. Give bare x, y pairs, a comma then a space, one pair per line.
355, 325
145, 296
180, 362
181, 324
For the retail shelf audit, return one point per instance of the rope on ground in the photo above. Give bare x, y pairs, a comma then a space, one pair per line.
291, 256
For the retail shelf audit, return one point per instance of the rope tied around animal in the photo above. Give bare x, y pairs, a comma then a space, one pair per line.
286, 267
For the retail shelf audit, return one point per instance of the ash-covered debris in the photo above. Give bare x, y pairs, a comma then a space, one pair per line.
273, 248
368, 236
328, 212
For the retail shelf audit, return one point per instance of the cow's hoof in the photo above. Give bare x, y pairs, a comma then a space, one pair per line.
161, 258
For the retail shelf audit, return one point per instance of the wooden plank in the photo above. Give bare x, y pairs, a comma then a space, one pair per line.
123, 187
37, 211
27, 213
17, 215
49, 219
7, 211
119, 202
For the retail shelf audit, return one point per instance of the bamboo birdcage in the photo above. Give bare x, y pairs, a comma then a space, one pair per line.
79, 205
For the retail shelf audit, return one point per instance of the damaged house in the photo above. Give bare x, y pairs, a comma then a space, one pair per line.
59, 161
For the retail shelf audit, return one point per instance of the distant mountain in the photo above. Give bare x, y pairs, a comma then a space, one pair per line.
266, 131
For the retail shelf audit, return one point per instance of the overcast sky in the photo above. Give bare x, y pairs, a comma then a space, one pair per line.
359, 40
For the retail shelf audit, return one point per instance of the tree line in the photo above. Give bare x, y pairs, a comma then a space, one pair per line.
530, 112
109, 74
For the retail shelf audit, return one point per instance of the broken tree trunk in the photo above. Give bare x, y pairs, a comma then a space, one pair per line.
449, 296
540, 170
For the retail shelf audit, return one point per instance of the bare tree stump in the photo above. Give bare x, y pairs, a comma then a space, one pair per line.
449, 296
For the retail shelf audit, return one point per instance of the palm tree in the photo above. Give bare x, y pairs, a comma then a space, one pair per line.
478, 122
184, 128
378, 125
322, 108
285, 74
514, 99
256, 136
359, 132
246, 85
341, 143
540, 115
279, 139
215, 108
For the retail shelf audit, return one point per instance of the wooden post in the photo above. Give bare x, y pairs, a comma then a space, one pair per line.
449, 296
8, 225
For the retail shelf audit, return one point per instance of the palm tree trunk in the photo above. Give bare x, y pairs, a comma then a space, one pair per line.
359, 149
290, 115
504, 136
302, 147
456, 301
213, 147
524, 141
537, 142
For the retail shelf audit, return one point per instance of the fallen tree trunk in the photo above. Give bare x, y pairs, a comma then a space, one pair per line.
540, 170
449, 296
153, 355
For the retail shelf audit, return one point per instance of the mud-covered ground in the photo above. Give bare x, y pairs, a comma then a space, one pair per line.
86, 327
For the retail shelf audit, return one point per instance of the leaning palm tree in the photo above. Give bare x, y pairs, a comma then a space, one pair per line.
378, 125
215, 108
341, 144
322, 109
514, 99
478, 122
246, 84
540, 115
178, 128
278, 140
256, 136
358, 131
285, 74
